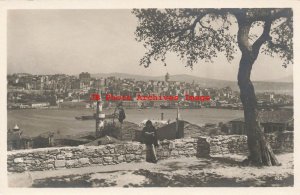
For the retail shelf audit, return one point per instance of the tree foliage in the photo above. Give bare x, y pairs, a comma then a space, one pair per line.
203, 34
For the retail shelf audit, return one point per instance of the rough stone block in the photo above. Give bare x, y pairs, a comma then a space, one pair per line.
165, 142
50, 160
36, 155
60, 163
181, 152
110, 146
171, 145
43, 156
190, 140
20, 169
108, 159
97, 160
135, 147
72, 163
37, 162
84, 161
189, 145
179, 145
105, 151
29, 161
121, 158
89, 151
137, 157
60, 157
129, 157
139, 151
50, 166
69, 155
191, 151
112, 151
54, 151
18, 160
174, 153
120, 149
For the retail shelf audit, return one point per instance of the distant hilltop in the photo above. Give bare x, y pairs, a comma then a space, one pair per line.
288, 79
283, 85
177, 77
181, 77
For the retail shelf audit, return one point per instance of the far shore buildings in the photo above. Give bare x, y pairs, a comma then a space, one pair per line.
271, 121
35, 91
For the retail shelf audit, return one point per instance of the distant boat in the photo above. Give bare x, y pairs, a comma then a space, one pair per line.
175, 107
167, 107
93, 117
86, 117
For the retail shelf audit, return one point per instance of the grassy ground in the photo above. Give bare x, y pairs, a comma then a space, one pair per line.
183, 172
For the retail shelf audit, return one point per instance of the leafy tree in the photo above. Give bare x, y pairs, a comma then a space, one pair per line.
203, 34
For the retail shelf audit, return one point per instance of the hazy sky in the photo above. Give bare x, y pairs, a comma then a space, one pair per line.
102, 41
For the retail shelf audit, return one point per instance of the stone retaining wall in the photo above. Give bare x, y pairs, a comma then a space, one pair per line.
81, 156
221, 145
237, 144
282, 142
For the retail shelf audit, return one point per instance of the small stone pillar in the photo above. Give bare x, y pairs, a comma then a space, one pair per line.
203, 147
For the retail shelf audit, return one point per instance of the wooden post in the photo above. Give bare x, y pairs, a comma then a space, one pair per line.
97, 119
98, 112
177, 116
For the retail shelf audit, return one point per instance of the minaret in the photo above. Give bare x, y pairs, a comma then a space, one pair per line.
167, 77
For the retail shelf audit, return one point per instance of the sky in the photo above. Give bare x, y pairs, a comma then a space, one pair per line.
103, 41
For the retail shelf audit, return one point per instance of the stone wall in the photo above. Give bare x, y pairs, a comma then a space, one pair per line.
282, 142
81, 156
237, 144
177, 148
221, 145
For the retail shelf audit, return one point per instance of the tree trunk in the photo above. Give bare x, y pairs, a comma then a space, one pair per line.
260, 152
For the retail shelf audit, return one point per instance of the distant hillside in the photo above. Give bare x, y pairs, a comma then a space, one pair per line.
287, 79
279, 86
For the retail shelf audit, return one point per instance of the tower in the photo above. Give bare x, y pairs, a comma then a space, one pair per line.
167, 77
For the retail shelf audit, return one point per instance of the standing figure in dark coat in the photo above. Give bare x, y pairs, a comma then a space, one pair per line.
149, 137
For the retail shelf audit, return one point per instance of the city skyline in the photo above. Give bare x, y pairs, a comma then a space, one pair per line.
286, 79
69, 42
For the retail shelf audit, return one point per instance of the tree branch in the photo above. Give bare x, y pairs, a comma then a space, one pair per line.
204, 26
191, 27
265, 36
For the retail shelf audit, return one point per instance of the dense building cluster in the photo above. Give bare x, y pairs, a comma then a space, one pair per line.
34, 91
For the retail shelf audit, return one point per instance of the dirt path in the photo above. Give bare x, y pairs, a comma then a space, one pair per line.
192, 172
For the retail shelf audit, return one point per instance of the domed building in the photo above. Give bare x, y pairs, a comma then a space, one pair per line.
16, 140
